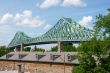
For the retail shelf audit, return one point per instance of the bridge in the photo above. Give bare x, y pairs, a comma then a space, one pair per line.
65, 30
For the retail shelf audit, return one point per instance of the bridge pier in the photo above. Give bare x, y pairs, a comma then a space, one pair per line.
59, 46
22, 46
19, 48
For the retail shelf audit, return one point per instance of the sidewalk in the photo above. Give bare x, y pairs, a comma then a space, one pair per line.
11, 71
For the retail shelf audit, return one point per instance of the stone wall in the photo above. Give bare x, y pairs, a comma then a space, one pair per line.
35, 67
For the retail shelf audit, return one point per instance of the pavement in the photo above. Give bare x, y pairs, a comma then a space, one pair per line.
11, 71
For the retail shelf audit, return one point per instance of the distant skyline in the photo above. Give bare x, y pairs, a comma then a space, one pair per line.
35, 17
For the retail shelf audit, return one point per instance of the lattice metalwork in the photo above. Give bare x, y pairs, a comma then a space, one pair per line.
64, 30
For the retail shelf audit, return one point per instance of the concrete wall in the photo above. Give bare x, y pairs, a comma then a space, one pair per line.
35, 67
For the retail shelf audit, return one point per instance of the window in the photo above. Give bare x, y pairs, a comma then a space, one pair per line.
70, 57
22, 56
54, 57
9, 55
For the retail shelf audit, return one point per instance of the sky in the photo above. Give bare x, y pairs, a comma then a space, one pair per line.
35, 17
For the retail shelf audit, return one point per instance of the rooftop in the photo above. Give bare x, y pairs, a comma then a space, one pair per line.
44, 57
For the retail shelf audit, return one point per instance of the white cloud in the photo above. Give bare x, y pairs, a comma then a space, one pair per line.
64, 3
77, 3
9, 24
47, 27
48, 3
22, 19
6, 19
85, 20
26, 19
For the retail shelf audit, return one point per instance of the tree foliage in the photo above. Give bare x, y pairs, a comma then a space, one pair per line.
39, 49
4, 50
54, 49
103, 23
94, 55
65, 47
78, 69
27, 49
68, 47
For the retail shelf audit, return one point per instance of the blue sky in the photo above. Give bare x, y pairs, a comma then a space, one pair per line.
35, 17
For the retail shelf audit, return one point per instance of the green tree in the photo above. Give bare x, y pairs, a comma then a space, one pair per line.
54, 49
99, 69
27, 49
39, 49
65, 47
4, 50
94, 55
68, 47
78, 69
88, 51
103, 23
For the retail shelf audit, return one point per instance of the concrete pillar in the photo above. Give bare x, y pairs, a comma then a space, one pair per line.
59, 46
19, 68
22, 46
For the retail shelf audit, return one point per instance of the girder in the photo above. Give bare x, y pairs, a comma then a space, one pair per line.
64, 30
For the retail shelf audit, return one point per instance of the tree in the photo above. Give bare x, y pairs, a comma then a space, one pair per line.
4, 50
103, 23
39, 49
65, 47
99, 69
54, 49
68, 47
87, 61
78, 69
27, 49
94, 55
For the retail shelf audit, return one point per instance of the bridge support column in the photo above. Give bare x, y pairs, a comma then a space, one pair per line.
22, 46
59, 46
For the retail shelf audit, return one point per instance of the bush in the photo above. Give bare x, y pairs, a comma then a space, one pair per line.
78, 69
4, 50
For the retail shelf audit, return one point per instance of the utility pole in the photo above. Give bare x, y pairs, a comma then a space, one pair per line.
64, 63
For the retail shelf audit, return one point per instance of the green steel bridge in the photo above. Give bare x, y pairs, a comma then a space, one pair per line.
65, 30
